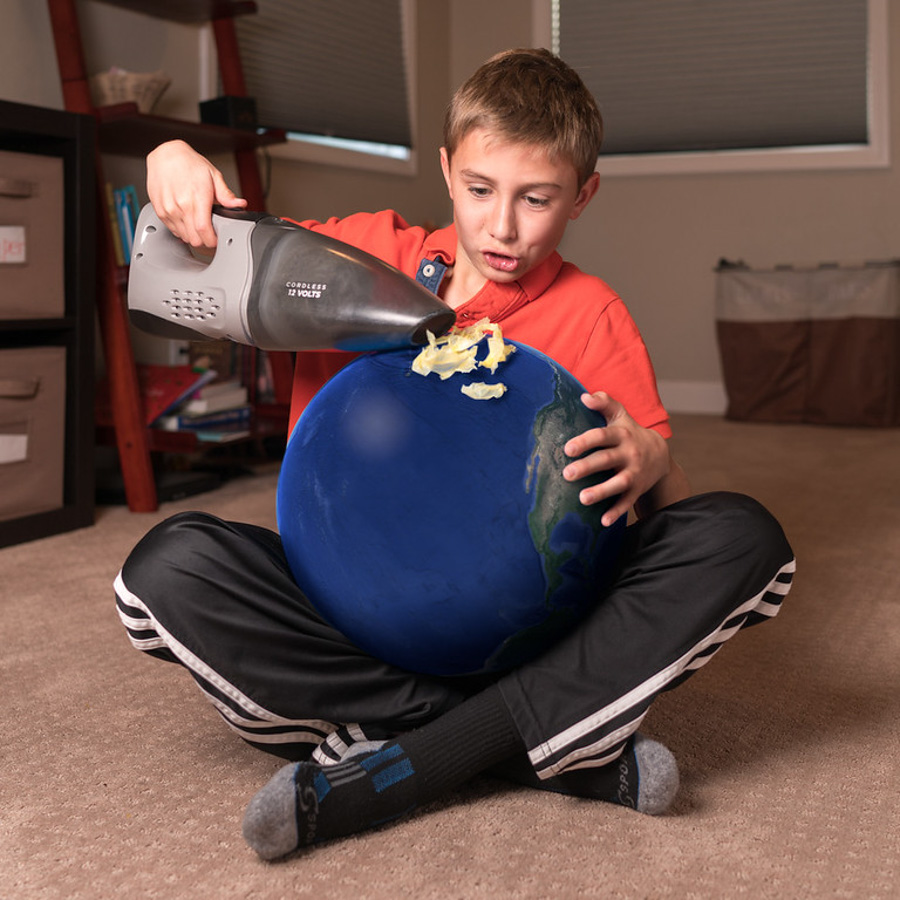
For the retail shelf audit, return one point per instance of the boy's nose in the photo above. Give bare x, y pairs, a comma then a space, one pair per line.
503, 222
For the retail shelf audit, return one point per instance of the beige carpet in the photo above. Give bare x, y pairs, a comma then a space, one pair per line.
117, 779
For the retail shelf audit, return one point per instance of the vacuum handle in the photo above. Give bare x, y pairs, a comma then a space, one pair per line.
242, 215
172, 293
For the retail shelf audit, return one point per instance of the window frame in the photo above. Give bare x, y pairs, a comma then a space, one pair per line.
875, 154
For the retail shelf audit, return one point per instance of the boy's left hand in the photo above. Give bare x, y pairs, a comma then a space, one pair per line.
638, 456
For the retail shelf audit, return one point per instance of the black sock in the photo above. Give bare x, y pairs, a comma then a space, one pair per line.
305, 803
644, 777
616, 782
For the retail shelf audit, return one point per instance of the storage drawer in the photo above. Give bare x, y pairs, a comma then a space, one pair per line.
32, 426
31, 236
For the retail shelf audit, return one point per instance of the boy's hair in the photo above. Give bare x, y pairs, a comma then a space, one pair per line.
532, 97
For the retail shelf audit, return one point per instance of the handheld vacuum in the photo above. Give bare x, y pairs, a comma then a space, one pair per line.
275, 285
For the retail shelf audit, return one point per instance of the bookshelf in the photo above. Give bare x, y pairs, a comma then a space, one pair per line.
123, 130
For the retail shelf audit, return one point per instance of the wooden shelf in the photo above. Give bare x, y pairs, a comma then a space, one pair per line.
186, 442
126, 132
122, 130
274, 414
187, 11
9, 328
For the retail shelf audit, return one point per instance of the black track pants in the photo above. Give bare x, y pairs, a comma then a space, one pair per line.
218, 597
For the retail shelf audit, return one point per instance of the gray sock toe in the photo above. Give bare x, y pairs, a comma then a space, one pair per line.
658, 776
270, 822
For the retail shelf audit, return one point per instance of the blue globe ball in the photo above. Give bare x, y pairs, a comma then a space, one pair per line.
436, 531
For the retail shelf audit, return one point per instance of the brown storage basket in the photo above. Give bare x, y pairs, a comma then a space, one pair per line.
820, 345
32, 425
31, 210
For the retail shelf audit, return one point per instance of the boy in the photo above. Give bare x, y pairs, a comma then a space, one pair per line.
521, 142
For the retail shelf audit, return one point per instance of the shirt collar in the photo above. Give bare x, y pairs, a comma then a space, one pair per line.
494, 300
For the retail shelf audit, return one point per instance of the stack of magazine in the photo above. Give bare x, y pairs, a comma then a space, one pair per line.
191, 398
216, 411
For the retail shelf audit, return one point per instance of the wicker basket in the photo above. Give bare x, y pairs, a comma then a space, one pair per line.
118, 86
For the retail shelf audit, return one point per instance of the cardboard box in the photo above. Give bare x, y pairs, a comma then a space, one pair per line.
31, 236
32, 430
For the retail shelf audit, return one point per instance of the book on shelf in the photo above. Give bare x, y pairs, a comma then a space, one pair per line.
162, 389
115, 233
218, 387
123, 208
223, 434
217, 412
226, 418
215, 397
165, 388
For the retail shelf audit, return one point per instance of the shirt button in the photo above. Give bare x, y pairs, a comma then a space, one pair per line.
428, 270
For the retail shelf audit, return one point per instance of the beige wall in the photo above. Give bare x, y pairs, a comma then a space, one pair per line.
479, 29
655, 239
28, 72
111, 37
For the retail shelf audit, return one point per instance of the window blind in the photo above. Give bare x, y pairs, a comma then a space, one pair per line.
700, 75
320, 67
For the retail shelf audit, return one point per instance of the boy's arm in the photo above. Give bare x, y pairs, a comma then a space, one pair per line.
183, 186
646, 476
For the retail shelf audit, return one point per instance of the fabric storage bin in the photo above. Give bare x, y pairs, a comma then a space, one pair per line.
818, 345
32, 426
31, 236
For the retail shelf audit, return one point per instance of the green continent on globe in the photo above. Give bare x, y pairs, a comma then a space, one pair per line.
556, 499
567, 535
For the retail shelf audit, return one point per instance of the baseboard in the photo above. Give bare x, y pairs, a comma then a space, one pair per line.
693, 397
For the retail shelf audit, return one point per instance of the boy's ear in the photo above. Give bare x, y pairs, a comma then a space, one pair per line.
585, 195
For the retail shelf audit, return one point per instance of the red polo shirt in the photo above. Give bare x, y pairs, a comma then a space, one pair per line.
574, 318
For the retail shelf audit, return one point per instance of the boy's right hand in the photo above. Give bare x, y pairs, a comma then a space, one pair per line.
645, 475
183, 186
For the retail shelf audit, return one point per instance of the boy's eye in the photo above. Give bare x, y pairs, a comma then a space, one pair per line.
536, 202
478, 191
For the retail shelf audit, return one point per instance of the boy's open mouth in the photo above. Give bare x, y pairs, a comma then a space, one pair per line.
500, 261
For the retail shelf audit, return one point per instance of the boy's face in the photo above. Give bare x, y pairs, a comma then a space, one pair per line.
511, 206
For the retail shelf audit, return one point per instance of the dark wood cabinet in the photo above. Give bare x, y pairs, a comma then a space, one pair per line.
62, 327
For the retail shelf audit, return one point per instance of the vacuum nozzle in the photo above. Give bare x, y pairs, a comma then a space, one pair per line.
277, 286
